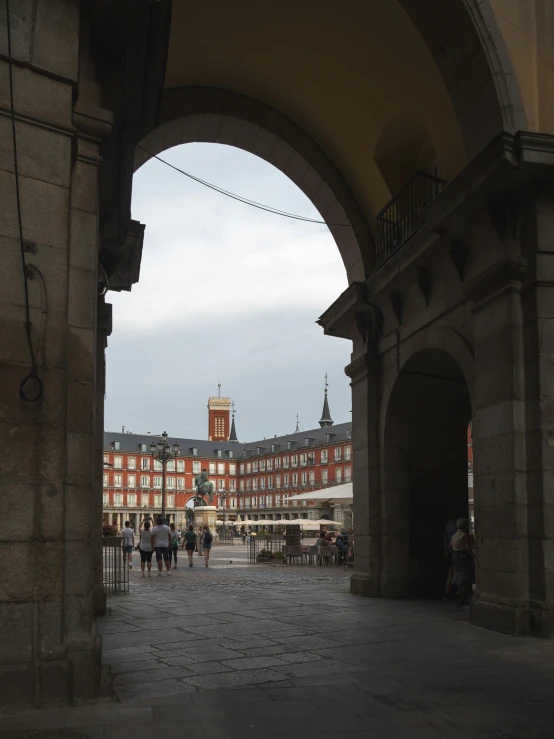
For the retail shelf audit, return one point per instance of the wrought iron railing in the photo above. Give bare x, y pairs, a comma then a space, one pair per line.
401, 217
115, 569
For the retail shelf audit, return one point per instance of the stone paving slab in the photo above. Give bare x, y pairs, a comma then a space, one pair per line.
238, 651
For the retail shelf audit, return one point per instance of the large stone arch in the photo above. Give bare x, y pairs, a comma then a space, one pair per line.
217, 116
425, 410
469, 50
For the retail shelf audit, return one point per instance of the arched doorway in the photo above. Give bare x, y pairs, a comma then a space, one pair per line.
425, 470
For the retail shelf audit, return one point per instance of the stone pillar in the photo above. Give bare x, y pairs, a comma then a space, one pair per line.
110, 519
137, 523
49, 653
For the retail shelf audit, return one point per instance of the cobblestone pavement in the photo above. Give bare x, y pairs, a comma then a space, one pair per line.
250, 651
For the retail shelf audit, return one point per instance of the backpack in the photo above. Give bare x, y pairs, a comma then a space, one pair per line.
208, 538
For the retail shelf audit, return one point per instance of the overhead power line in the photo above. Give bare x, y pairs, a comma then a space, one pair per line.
240, 198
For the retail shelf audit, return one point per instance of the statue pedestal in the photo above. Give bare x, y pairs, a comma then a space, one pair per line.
205, 515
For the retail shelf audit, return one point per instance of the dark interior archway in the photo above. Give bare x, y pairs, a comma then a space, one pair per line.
425, 470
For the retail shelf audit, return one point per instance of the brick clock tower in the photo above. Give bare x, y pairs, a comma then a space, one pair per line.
219, 418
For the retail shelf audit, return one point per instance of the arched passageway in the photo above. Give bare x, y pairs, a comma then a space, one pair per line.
425, 478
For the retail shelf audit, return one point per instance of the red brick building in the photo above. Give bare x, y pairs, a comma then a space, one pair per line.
251, 480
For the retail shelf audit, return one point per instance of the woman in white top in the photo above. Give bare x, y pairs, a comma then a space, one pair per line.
462, 561
145, 548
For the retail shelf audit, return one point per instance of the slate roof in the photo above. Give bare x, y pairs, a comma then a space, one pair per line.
132, 442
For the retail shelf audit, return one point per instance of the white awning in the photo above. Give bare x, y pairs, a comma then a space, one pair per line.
337, 492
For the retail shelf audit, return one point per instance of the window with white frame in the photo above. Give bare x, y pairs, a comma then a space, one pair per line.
232, 468
131, 463
116, 445
268, 501
270, 482
277, 463
157, 501
262, 465
277, 481
248, 468
248, 483
324, 456
285, 463
145, 481
170, 483
131, 499
106, 499
221, 468
233, 502
347, 474
255, 466
196, 468
269, 465
131, 481
325, 476
232, 485
171, 501
143, 448
247, 503
171, 465
221, 484
338, 474
262, 483
212, 468
303, 460
254, 483
117, 463
145, 500
241, 485
312, 477
106, 458
304, 478
294, 461
285, 481
118, 499
254, 502
106, 479
145, 463
338, 454
180, 483
180, 465
241, 468
347, 453
295, 479
157, 481
118, 481
158, 467
285, 499
311, 458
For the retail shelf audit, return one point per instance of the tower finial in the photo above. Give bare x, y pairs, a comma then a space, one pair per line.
297, 429
326, 419
219, 390
233, 434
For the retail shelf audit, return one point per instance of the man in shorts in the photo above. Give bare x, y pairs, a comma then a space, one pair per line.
128, 542
161, 542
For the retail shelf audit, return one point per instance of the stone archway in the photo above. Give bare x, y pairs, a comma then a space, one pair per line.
424, 462
216, 116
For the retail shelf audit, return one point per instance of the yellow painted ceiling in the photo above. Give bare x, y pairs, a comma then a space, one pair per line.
340, 71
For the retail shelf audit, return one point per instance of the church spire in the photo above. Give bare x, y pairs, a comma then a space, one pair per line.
233, 435
326, 419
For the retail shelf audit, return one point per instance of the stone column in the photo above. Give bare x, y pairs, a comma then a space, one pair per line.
110, 518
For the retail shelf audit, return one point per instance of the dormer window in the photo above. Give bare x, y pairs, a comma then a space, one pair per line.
218, 453
230, 454
143, 448
194, 451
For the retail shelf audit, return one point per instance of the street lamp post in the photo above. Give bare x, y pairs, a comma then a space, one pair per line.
163, 453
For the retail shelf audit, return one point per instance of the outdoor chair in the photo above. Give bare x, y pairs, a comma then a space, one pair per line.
324, 555
295, 552
313, 553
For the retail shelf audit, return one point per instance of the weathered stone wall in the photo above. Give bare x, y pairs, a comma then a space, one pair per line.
50, 652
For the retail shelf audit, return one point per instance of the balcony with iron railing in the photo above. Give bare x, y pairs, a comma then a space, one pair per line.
401, 218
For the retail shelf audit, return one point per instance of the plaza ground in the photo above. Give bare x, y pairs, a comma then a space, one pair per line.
243, 650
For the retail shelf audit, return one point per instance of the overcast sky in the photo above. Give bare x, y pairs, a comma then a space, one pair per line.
228, 294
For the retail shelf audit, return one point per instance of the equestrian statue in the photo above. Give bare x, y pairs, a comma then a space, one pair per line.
204, 487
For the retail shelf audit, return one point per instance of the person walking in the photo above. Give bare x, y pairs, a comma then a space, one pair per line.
161, 542
128, 543
462, 561
207, 540
175, 541
145, 549
189, 543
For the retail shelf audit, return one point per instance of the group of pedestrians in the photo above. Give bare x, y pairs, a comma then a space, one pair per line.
164, 541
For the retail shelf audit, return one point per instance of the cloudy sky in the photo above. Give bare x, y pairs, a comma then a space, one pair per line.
228, 294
